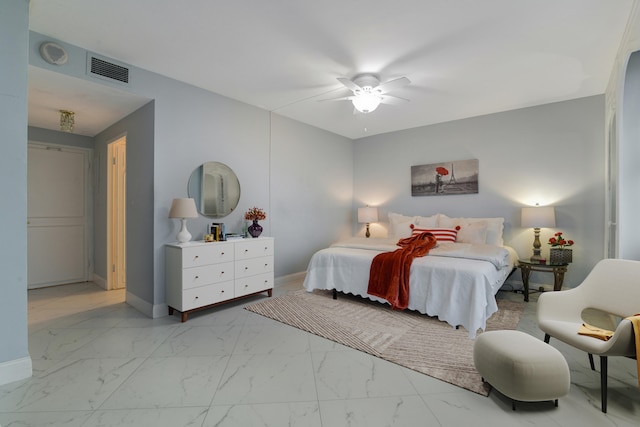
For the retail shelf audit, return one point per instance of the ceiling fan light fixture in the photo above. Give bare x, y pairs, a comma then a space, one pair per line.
366, 101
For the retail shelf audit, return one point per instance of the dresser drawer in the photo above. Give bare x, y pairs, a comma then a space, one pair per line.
206, 295
252, 284
200, 276
253, 266
211, 253
253, 248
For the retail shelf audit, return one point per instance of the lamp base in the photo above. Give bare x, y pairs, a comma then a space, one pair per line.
367, 234
183, 235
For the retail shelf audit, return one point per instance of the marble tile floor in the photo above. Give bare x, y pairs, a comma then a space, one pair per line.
99, 362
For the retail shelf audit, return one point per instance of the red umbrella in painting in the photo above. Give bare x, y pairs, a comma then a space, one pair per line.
442, 171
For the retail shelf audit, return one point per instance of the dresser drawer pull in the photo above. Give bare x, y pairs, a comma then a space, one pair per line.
246, 268
197, 297
197, 277
196, 257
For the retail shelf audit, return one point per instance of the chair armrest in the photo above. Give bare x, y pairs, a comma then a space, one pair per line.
564, 306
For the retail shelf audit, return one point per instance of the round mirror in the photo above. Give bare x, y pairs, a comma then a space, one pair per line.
215, 188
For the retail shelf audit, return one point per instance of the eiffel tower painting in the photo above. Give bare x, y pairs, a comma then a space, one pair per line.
438, 179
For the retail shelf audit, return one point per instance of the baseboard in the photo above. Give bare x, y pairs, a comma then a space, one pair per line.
15, 370
152, 310
100, 281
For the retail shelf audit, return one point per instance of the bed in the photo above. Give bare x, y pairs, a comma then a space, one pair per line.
456, 282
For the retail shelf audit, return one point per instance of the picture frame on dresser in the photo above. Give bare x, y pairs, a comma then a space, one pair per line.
201, 275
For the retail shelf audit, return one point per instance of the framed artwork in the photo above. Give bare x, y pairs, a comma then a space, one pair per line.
440, 179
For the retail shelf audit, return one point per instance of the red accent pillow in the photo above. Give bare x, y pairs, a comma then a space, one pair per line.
441, 234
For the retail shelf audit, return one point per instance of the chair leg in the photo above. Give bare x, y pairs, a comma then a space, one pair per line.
593, 367
547, 337
603, 383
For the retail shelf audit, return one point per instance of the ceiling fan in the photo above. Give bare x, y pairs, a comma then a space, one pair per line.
368, 92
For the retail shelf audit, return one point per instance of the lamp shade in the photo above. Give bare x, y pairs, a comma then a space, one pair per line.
368, 214
538, 217
183, 208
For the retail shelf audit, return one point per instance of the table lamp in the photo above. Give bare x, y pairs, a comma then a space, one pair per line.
367, 215
538, 217
183, 209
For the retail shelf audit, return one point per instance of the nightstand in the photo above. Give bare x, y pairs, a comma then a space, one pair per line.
526, 267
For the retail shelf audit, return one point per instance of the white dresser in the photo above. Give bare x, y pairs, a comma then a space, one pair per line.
200, 275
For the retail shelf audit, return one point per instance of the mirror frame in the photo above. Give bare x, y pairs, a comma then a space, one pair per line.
224, 189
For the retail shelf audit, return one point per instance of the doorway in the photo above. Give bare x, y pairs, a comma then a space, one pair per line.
116, 214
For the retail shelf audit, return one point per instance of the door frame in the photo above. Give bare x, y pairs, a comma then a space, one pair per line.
110, 220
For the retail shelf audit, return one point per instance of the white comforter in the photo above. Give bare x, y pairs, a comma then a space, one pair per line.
456, 282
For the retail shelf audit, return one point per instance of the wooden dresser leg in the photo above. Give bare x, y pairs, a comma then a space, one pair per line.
170, 311
184, 317
270, 292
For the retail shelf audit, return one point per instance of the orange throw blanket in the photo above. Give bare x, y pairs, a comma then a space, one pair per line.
389, 273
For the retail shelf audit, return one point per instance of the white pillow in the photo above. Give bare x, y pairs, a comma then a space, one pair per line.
400, 225
495, 227
427, 221
474, 232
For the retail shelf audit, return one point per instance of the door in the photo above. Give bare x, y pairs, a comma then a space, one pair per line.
57, 215
116, 221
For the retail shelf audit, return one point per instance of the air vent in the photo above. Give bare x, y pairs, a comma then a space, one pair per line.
108, 70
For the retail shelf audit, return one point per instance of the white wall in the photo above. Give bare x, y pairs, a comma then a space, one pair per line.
551, 154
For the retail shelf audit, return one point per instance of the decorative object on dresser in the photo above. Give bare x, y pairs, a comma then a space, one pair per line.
200, 275
439, 179
255, 214
367, 215
537, 217
559, 252
183, 208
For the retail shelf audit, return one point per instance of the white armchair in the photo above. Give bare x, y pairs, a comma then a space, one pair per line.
613, 286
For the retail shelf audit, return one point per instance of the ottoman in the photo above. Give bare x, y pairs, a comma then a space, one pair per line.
521, 367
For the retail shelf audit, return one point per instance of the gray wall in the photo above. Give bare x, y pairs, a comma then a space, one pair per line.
311, 191
629, 153
138, 128
61, 138
551, 154
15, 362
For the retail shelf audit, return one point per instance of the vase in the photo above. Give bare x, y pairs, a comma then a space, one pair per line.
255, 229
560, 255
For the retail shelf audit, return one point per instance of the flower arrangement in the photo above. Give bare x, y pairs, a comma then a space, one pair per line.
558, 241
255, 214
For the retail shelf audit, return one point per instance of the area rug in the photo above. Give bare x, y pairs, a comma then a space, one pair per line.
410, 339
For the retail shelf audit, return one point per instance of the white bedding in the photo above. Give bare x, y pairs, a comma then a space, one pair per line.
456, 282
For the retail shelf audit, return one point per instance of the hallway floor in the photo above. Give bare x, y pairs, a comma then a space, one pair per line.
99, 362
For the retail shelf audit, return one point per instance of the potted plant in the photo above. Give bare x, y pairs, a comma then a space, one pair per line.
255, 214
560, 252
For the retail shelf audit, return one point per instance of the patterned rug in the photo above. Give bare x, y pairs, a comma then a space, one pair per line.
406, 338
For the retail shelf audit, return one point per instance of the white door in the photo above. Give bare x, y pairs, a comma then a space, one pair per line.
117, 215
57, 230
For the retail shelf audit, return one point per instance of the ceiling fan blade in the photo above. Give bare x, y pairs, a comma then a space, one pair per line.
393, 84
349, 84
393, 100
343, 98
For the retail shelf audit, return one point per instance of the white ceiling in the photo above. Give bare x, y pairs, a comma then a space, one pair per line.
464, 58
